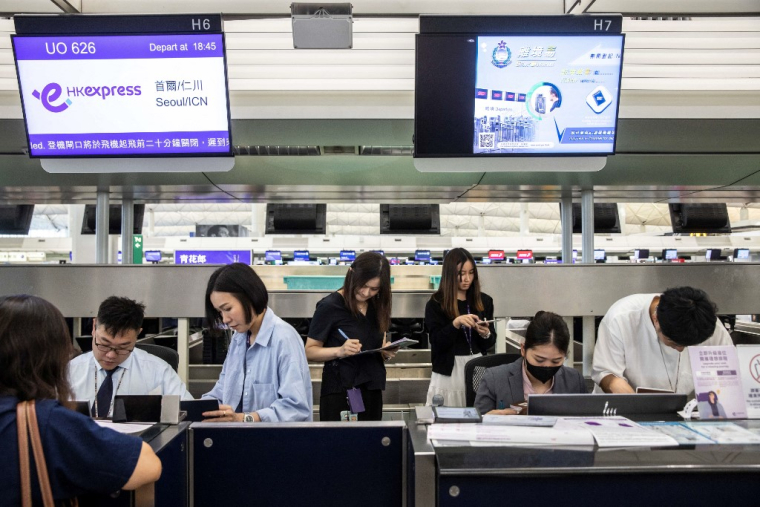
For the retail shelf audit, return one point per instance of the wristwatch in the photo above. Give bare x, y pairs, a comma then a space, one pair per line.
248, 417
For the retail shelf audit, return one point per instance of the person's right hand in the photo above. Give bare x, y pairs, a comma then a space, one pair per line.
468, 320
350, 348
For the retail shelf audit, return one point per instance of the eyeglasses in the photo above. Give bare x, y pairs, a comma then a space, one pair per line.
119, 352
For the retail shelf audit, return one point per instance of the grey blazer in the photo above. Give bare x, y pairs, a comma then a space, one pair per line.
504, 383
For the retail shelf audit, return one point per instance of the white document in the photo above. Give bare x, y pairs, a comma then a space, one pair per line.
724, 432
519, 420
124, 428
511, 434
683, 434
620, 432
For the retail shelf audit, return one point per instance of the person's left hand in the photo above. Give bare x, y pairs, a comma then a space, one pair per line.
390, 353
224, 414
483, 328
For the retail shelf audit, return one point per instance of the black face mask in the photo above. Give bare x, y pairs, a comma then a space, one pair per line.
543, 373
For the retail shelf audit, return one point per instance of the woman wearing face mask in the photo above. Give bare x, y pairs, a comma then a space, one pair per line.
354, 318
455, 319
540, 371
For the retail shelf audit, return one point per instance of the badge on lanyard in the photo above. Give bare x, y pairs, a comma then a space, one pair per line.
355, 401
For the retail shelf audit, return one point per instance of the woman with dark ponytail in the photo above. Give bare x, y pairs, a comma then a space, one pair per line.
353, 319
540, 371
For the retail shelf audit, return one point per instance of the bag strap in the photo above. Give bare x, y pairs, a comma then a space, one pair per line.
23, 455
26, 424
39, 456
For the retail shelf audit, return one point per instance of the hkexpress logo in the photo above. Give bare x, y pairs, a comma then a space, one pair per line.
51, 93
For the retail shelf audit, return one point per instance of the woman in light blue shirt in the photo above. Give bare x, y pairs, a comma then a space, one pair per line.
265, 377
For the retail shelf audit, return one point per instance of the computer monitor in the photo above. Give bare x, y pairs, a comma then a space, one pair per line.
496, 255
525, 254
600, 254
627, 405
152, 256
301, 255
713, 254
348, 255
422, 255
332, 261
485, 260
741, 253
273, 257
670, 254
641, 253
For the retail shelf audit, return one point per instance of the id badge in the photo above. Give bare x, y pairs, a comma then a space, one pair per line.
346, 415
355, 401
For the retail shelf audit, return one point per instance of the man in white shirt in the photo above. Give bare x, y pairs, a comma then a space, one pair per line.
643, 337
115, 366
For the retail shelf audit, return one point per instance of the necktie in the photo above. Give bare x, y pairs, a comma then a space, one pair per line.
105, 394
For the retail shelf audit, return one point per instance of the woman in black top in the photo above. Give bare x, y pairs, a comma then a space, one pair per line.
361, 309
455, 317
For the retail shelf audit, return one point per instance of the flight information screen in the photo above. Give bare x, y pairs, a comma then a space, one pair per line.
124, 95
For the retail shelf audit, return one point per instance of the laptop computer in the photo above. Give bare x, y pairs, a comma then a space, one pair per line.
634, 406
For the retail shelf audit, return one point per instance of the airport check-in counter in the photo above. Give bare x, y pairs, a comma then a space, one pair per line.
170, 443
579, 290
695, 475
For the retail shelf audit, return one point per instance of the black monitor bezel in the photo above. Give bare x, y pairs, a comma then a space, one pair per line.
420, 79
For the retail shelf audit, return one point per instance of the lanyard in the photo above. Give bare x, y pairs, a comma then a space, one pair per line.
110, 410
468, 332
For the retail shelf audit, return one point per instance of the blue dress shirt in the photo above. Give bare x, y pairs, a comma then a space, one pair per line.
271, 377
143, 373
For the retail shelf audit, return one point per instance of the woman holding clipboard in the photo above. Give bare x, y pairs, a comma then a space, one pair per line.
354, 318
459, 319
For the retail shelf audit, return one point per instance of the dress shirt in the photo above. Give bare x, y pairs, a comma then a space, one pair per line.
628, 347
271, 377
528, 387
142, 373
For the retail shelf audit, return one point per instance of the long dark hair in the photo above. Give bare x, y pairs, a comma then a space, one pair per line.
446, 295
244, 284
547, 328
35, 348
367, 266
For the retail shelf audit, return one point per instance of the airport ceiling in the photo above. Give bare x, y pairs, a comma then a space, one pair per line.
688, 130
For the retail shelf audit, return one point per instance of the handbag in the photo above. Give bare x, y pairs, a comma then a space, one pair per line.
26, 423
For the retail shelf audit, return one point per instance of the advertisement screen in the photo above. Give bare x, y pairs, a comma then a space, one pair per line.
525, 254
348, 255
546, 94
152, 255
301, 255
124, 95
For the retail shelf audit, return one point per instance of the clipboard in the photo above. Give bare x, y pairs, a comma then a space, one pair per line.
401, 344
